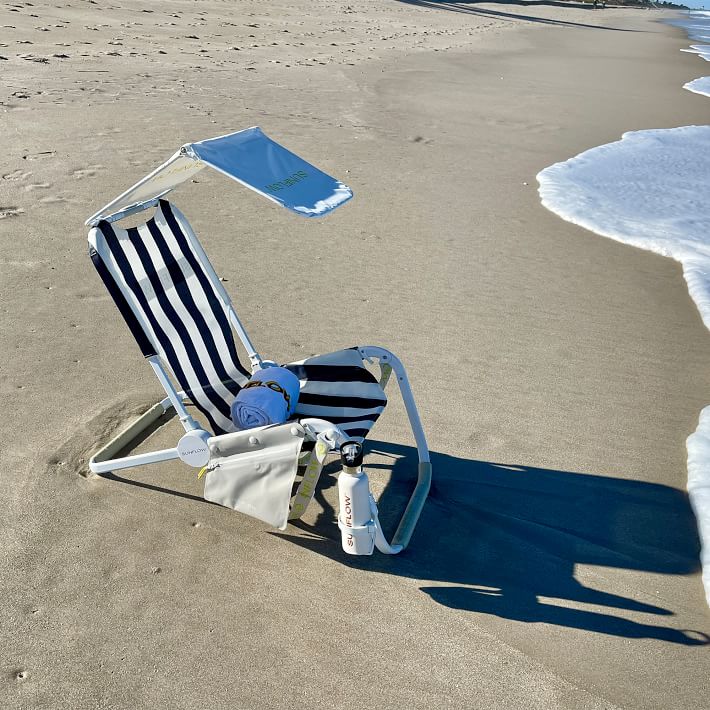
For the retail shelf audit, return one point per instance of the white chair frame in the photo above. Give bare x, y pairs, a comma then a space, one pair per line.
175, 404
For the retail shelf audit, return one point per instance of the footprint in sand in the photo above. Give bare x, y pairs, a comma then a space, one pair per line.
16, 175
24, 94
6, 212
38, 156
87, 172
14, 264
108, 131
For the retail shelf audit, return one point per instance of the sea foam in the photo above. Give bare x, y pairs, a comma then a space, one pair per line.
650, 190
697, 25
699, 86
702, 50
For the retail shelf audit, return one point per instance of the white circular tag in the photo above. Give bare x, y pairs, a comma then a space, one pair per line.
193, 450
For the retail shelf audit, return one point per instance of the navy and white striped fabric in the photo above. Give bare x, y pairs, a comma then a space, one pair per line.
174, 305
164, 291
339, 388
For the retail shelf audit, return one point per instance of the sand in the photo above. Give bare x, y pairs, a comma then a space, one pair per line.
557, 373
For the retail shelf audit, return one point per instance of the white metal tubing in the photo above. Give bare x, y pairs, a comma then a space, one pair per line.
380, 540
188, 423
133, 209
414, 508
94, 217
254, 357
128, 435
136, 460
369, 351
409, 519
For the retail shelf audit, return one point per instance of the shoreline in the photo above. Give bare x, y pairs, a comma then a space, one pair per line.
632, 191
537, 577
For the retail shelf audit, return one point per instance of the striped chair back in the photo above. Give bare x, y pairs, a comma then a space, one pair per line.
166, 293
171, 300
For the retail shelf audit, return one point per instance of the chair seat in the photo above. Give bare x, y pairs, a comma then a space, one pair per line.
339, 388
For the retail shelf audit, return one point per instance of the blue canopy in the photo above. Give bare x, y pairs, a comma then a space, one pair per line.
258, 162
249, 157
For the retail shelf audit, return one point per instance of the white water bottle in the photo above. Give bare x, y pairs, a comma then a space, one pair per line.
355, 520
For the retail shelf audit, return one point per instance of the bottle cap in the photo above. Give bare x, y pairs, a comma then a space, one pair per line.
351, 454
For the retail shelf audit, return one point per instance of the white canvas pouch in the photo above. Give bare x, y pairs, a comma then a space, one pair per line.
253, 471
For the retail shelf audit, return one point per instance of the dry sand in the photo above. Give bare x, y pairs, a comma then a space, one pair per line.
557, 373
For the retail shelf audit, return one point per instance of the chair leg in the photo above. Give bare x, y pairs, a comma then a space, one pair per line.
409, 519
102, 461
414, 508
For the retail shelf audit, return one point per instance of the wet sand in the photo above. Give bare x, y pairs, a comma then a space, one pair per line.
557, 373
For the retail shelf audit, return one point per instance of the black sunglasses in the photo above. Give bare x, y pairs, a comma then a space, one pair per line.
275, 386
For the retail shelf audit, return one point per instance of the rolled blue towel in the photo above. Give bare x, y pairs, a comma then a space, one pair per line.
270, 397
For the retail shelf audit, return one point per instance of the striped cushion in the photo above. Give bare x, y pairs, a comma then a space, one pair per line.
165, 289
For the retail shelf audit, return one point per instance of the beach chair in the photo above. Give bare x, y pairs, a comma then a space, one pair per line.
183, 322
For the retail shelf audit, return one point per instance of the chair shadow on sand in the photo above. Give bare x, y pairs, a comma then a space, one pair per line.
495, 539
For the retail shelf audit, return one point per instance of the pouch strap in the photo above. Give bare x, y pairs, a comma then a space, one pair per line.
307, 487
